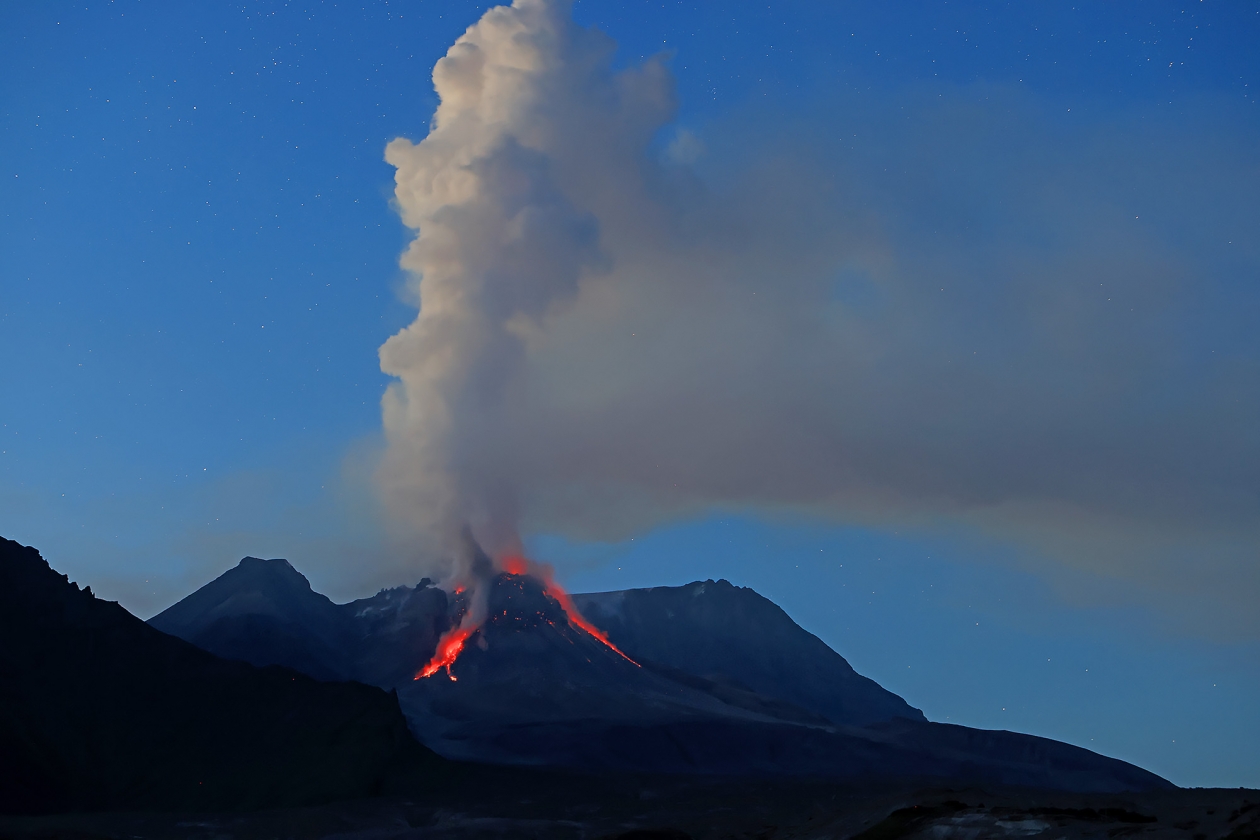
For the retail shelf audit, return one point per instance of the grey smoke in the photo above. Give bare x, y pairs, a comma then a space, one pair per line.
944, 312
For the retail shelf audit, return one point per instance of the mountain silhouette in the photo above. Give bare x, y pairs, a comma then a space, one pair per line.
264, 612
100, 710
722, 682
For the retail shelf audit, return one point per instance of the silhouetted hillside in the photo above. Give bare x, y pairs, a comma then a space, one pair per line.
99, 710
264, 612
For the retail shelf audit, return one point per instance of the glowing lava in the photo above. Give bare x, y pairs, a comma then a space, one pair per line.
452, 641
515, 565
575, 617
448, 648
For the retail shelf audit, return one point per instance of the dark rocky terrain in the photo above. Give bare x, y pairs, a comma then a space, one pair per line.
742, 690
732, 635
264, 612
512, 804
98, 709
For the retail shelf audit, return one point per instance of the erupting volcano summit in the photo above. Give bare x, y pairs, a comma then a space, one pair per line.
518, 599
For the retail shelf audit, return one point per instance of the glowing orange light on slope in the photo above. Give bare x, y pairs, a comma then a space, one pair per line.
448, 648
451, 644
566, 603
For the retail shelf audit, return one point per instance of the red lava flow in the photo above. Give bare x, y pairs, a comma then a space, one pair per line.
448, 648
452, 641
566, 604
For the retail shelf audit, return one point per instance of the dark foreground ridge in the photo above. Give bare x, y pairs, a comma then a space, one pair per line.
517, 805
728, 684
97, 709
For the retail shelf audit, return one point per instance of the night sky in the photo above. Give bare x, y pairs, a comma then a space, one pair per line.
993, 434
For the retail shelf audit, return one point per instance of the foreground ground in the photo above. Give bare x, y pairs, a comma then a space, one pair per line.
548, 805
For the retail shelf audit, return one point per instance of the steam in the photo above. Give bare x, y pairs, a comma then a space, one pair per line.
831, 321
530, 112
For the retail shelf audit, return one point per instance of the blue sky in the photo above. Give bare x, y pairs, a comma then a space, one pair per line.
200, 261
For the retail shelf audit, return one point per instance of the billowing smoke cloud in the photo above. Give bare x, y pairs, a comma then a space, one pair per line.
531, 121
943, 311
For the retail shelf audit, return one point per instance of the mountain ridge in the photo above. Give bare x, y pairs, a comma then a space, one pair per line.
100, 710
264, 612
532, 688
706, 635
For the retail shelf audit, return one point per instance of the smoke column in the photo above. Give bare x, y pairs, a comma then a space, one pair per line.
815, 312
529, 108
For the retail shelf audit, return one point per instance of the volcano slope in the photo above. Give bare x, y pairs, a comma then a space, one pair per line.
532, 687
265, 613
740, 689
732, 635
99, 710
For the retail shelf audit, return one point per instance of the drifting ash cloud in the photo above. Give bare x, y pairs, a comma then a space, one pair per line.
943, 311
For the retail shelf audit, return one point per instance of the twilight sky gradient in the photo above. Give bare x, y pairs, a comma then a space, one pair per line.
936, 325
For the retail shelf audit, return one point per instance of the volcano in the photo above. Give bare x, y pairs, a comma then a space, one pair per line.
708, 678
531, 685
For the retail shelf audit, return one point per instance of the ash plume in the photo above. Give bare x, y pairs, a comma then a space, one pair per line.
530, 112
623, 321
